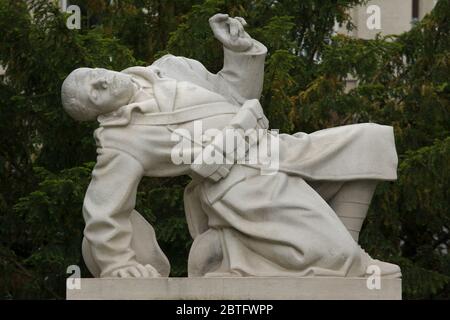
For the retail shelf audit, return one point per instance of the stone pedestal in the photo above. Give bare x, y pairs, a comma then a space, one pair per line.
249, 288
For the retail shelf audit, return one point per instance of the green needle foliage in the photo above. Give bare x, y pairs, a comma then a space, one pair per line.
46, 158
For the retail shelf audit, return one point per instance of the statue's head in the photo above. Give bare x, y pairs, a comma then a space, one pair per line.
87, 93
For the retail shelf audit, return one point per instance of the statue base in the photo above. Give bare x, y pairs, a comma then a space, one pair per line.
247, 288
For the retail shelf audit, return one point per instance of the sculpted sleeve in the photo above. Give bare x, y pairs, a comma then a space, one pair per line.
240, 79
109, 201
243, 72
249, 117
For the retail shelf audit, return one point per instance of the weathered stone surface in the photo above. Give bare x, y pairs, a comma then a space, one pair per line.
249, 288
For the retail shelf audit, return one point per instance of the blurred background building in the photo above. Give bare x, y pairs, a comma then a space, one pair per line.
394, 17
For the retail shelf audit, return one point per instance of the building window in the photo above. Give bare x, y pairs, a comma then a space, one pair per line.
415, 10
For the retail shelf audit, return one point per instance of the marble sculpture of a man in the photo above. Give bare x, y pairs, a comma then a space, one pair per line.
303, 220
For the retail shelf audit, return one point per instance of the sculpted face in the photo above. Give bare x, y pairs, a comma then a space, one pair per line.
104, 90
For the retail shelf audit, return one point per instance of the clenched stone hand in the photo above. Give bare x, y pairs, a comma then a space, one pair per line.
230, 31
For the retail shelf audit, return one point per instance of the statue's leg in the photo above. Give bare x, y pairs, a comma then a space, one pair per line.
206, 254
351, 204
350, 201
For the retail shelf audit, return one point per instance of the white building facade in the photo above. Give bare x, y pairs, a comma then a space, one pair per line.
386, 17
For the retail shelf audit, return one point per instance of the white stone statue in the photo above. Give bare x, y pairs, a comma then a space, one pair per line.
302, 220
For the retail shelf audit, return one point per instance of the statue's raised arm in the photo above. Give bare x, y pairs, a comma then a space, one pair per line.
242, 75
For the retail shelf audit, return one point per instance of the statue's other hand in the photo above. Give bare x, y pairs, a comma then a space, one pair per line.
136, 271
230, 32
